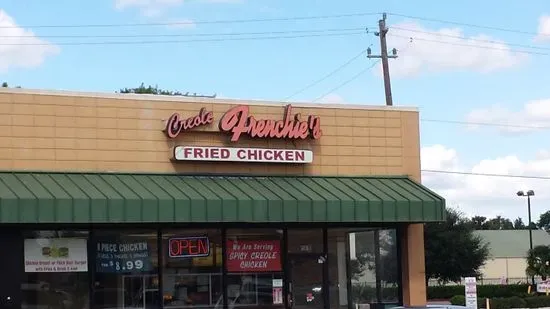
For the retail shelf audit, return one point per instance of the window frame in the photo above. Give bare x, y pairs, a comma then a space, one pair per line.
122, 228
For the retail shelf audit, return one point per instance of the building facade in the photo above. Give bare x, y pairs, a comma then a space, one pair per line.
507, 254
137, 201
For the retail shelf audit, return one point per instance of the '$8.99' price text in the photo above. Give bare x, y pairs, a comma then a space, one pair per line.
129, 265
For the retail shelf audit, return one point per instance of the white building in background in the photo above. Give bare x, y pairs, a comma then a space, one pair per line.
508, 251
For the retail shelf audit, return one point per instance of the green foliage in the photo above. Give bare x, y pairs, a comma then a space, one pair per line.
364, 293
458, 300
452, 249
368, 244
500, 223
537, 301
538, 262
488, 290
506, 302
544, 221
5, 85
142, 89
519, 225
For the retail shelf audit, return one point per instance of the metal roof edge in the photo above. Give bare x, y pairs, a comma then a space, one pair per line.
405, 177
182, 99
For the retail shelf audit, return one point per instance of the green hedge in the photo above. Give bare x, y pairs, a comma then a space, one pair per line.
484, 291
367, 293
506, 302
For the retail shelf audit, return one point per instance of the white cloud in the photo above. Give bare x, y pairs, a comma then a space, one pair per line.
13, 52
543, 33
149, 8
484, 195
443, 50
332, 98
533, 116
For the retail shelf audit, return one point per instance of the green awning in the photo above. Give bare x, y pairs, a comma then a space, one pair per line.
131, 198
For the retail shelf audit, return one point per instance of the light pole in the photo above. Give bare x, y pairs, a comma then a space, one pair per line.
528, 194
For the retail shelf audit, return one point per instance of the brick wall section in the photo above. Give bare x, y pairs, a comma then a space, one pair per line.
69, 132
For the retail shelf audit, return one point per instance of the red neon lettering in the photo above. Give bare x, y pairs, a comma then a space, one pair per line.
188, 247
238, 121
175, 124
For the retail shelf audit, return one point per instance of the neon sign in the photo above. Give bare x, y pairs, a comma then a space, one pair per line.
186, 247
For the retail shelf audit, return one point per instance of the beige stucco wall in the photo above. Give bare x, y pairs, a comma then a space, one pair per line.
124, 133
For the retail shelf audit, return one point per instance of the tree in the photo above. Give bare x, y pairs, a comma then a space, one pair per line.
452, 249
479, 222
372, 247
519, 225
5, 85
544, 221
142, 89
538, 262
499, 223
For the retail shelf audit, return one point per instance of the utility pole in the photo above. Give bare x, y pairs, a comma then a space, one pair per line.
384, 55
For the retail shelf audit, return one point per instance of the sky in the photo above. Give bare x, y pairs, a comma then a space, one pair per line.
477, 71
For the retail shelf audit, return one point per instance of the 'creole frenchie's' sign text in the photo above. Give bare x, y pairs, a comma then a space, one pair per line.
237, 121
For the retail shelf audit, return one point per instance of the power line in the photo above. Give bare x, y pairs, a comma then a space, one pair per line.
473, 46
198, 22
468, 24
486, 174
354, 77
327, 75
492, 124
185, 34
470, 39
186, 41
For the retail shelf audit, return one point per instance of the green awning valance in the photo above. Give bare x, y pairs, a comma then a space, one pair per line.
132, 198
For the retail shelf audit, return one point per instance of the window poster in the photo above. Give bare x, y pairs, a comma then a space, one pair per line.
55, 255
253, 255
123, 256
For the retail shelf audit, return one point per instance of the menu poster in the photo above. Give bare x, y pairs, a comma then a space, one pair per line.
253, 255
123, 256
55, 255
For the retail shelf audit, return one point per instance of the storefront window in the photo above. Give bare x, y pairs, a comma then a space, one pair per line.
56, 270
338, 279
192, 268
305, 261
126, 269
374, 266
254, 268
388, 266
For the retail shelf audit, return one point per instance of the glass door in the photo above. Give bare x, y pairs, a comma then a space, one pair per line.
305, 262
140, 291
